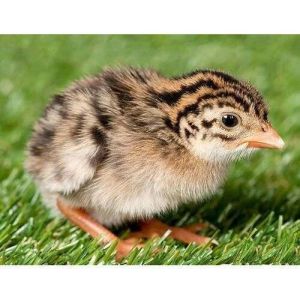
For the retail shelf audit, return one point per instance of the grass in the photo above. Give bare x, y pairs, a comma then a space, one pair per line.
255, 216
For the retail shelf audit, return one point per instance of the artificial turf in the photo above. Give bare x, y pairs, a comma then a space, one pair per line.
254, 216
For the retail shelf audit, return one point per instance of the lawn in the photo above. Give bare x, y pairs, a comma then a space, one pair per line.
254, 216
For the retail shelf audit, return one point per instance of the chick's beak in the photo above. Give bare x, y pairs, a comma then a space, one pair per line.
265, 139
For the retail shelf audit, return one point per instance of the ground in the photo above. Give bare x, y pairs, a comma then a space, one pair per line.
254, 216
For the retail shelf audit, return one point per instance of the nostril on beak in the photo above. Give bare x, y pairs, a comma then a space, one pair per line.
267, 138
264, 128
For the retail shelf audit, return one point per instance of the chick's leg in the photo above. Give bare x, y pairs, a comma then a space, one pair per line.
83, 220
155, 228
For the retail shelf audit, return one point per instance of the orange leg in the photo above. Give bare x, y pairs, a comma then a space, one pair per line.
150, 229
155, 228
196, 227
83, 220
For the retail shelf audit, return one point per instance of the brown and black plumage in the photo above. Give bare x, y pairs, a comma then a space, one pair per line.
130, 143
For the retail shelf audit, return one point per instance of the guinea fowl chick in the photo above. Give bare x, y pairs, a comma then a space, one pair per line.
127, 144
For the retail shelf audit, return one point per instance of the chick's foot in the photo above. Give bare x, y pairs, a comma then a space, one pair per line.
83, 220
155, 228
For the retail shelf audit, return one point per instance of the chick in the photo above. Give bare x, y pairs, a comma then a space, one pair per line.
128, 144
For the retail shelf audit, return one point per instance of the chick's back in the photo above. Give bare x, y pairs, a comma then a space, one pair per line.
91, 121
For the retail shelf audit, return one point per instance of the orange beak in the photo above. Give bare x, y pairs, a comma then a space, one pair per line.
265, 139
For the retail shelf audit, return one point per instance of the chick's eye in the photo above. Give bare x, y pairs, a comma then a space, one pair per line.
230, 120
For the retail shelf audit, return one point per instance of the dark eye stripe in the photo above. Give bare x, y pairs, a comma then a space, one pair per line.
208, 124
187, 133
223, 137
194, 108
193, 126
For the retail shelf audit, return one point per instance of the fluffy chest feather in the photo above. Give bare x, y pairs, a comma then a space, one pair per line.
148, 186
